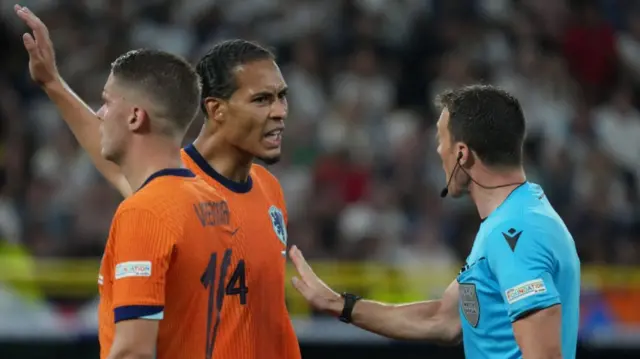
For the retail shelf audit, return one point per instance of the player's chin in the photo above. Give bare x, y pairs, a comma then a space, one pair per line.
455, 192
106, 154
110, 155
269, 157
269, 150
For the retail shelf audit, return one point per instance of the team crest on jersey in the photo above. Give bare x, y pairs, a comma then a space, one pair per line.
469, 303
277, 221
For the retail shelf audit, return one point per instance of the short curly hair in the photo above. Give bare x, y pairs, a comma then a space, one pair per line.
487, 119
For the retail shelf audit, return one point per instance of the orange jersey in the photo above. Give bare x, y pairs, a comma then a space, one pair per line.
264, 330
171, 257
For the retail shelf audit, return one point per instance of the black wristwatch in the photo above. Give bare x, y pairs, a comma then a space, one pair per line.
349, 301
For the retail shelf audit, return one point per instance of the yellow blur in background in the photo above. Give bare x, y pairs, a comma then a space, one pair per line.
618, 287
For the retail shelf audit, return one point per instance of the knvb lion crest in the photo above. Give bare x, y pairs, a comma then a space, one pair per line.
469, 303
279, 227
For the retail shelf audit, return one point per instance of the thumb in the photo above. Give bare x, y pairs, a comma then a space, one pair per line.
30, 44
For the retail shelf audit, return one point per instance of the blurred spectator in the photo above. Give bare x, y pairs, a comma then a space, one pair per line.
590, 48
617, 125
360, 169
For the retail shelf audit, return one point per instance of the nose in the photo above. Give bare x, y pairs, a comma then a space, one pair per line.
279, 110
100, 113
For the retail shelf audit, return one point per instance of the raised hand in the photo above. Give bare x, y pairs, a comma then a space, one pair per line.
312, 288
42, 60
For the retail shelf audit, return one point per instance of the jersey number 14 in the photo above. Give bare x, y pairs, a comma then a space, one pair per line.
214, 281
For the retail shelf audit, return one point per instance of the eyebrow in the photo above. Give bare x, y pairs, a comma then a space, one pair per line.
270, 92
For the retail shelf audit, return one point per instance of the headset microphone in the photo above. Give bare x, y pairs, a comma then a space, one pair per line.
445, 191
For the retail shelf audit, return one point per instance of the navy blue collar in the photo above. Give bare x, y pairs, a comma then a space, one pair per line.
180, 172
233, 186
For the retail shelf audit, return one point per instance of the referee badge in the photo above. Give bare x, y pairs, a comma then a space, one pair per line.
277, 221
469, 303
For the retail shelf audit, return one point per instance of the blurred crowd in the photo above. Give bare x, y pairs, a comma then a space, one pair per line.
360, 170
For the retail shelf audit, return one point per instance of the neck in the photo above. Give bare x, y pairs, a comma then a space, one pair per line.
224, 158
150, 157
487, 200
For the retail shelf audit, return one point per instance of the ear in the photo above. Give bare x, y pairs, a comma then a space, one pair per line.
138, 120
462, 153
215, 108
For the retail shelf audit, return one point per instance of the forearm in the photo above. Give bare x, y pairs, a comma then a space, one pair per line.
414, 321
126, 348
129, 355
85, 126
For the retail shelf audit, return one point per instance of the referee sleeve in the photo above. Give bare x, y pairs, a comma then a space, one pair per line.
523, 264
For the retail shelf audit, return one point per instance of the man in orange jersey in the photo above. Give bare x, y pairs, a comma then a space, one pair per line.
160, 236
244, 98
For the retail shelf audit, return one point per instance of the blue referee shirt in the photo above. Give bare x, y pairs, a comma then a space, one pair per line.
523, 259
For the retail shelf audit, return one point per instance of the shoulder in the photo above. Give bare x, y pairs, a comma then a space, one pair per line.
270, 183
522, 233
169, 193
262, 174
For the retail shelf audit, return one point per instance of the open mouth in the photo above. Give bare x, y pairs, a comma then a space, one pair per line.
274, 137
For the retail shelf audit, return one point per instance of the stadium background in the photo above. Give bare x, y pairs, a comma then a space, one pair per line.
360, 170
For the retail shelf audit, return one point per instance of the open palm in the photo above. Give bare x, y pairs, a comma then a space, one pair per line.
42, 61
312, 288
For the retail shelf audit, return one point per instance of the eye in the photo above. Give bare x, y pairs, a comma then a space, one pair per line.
261, 99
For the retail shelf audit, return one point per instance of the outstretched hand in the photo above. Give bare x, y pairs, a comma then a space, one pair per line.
42, 60
312, 288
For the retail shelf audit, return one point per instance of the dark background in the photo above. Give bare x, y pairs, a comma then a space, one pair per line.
360, 171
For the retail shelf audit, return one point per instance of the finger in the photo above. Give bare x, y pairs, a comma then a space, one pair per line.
302, 267
35, 18
301, 259
297, 260
27, 19
30, 44
293, 255
300, 286
40, 30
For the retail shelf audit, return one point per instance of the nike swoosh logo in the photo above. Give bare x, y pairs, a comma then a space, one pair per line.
235, 231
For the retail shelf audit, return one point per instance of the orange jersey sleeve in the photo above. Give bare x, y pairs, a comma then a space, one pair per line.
142, 247
273, 187
133, 276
